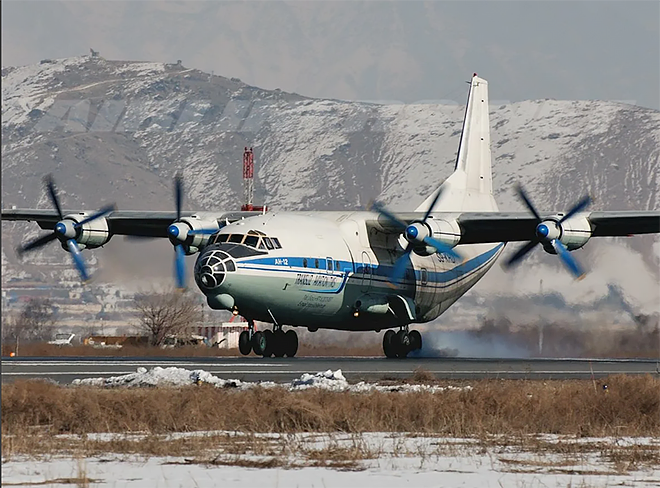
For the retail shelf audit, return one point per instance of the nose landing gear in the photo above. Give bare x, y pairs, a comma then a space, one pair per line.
399, 344
268, 343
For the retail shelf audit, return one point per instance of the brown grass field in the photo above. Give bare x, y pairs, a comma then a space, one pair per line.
42, 419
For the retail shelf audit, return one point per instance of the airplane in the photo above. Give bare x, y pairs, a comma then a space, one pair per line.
350, 270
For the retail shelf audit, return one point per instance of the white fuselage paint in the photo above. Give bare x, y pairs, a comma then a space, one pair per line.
295, 285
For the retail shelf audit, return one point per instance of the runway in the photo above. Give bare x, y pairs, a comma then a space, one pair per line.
65, 370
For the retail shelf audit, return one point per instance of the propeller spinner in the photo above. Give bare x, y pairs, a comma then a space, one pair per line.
548, 234
417, 234
66, 231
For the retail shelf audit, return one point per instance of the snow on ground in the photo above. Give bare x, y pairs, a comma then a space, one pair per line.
383, 460
328, 380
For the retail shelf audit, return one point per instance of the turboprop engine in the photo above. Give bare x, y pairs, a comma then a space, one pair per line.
89, 234
425, 236
74, 231
446, 232
558, 235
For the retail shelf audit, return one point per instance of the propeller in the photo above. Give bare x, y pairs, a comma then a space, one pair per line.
177, 233
548, 233
66, 230
416, 233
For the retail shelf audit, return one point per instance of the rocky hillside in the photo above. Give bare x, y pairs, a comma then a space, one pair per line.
118, 131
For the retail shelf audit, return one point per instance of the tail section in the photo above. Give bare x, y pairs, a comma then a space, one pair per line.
470, 187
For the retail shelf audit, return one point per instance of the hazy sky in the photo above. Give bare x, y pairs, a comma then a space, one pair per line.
400, 51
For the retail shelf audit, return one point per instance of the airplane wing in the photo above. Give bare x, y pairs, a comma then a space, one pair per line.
491, 227
122, 222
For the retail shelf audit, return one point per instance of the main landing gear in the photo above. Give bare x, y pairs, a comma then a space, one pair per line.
399, 344
268, 343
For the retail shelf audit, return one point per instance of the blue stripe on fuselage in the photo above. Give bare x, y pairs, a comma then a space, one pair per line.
295, 265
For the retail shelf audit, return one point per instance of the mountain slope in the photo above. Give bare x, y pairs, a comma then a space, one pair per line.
118, 131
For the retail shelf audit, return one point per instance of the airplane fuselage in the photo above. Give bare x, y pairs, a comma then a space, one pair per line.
330, 270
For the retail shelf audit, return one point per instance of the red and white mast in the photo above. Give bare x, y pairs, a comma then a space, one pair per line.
248, 182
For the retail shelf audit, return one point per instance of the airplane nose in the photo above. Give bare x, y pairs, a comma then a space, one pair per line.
211, 270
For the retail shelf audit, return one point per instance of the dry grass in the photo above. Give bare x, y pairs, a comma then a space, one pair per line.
630, 406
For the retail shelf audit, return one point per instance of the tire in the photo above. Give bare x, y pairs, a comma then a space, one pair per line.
291, 341
415, 340
259, 343
279, 344
402, 344
388, 344
244, 344
270, 343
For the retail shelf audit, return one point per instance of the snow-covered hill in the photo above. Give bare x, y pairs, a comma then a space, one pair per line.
118, 131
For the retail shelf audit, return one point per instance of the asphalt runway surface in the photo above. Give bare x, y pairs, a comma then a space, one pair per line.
65, 370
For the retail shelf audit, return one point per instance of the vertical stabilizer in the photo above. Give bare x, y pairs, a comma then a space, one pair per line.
470, 187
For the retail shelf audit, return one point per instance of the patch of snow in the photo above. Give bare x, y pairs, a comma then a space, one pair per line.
327, 380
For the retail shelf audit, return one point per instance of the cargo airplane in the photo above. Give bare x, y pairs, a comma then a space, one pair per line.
350, 270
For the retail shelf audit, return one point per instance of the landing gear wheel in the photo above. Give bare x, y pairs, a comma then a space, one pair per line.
259, 343
402, 343
244, 343
291, 343
388, 344
415, 340
270, 343
278, 343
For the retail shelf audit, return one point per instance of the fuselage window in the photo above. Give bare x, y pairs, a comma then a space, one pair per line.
251, 241
269, 244
236, 238
304, 262
276, 242
316, 263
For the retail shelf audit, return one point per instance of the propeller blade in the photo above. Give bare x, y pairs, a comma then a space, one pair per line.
77, 259
37, 243
103, 211
442, 248
577, 208
180, 266
520, 253
435, 200
528, 202
178, 194
400, 266
568, 260
387, 214
50, 186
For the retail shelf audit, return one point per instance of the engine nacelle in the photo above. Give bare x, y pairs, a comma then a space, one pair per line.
192, 242
576, 232
92, 234
573, 233
446, 231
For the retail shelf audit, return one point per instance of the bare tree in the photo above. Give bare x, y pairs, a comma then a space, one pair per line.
165, 314
32, 324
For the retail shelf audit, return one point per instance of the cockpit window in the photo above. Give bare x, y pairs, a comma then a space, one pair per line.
251, 241
254, 239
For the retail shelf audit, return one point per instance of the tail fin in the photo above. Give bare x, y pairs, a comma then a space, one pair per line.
470, 187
